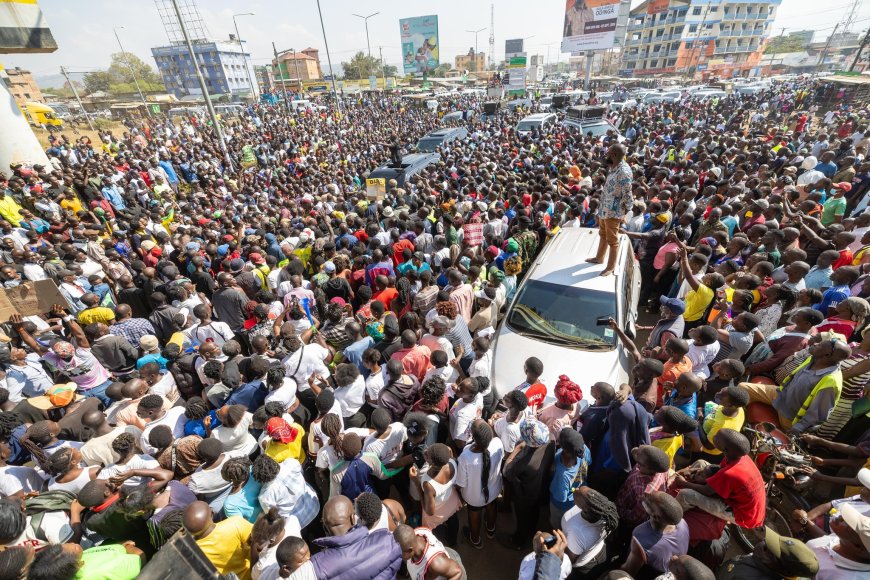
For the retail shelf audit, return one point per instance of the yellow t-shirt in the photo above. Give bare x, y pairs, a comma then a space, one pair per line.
96, 314
281, 451
227, 546
697, 302
74, 205
719, 420
669, 445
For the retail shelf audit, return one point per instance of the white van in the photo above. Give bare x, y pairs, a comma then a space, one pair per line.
555, 312
538, 121
300, 104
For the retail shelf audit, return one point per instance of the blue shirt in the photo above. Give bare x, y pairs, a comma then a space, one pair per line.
562, 485
153, 357
832, 297
113, 196
829, 168
251, 395
353, 353
245, 503
170, 171
731, 222
195, 426
689, 407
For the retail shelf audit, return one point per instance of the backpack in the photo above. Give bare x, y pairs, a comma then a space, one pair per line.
49, 501
183, 370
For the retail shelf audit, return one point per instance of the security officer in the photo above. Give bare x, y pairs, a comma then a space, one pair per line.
774, 558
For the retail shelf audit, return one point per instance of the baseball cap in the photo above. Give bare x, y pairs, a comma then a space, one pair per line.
793, 556
329, 267
57, 396
256, 258
148, 342
237, 265
858, 522
762, 203
147, 245
675, 305
844, 186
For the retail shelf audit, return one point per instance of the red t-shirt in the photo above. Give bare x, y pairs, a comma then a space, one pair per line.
741, 486
845, 259
387, 295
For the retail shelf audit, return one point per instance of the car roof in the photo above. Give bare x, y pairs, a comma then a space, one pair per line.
563, 261
538, 117
443, 132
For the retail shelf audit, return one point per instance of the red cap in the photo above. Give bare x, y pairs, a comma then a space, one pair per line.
256, 258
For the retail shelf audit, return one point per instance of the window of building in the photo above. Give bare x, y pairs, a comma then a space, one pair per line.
696, 11
693, 28
672, 62
714, 9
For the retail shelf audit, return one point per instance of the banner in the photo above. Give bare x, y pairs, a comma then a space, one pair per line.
589, 24
23, 28
513, 46
657, 6
419, 44
30, 298
516, 65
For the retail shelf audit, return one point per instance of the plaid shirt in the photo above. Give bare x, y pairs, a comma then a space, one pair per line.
291, 494
631, 494
132, 329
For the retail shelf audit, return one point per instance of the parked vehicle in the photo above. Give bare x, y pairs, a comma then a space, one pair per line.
556, 312
378, 181
537, 121
590, 120
41, 115
434, 139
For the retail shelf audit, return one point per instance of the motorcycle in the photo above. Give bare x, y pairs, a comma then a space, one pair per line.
784, 467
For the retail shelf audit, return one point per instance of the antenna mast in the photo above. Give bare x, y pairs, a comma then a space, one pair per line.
492, 36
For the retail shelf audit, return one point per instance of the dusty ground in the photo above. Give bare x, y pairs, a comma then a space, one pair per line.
74, 132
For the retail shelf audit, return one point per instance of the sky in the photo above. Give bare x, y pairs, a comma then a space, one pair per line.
83, 28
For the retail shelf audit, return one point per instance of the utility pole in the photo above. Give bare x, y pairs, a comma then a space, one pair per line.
217, 127
328, 58
283, 84
692, 52
492, 36
63, 71
474, 60
383, 67
825, 51
244, 58
366, 19
860, 50
132, 72
296, 68
773, 56
587, 81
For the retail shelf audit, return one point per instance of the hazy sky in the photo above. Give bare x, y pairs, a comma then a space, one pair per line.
83, 28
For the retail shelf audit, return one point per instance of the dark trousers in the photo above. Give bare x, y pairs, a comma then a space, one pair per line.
526, 512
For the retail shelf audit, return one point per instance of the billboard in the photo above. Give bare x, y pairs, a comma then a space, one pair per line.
657, 6
419, 44
513, 46
589, 24
23, 28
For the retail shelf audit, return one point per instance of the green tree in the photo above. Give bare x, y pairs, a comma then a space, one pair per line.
121, 73
440, 70
97, 81
390, 70
780, 44
361, 66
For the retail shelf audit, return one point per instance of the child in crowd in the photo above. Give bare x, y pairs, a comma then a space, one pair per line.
703, 349
674, 424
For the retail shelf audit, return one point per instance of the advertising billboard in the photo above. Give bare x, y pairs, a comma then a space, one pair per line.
419, 44
589, 24
513, 46
23, 28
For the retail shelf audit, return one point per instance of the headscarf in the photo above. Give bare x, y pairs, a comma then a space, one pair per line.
279, 430
513, 266
534, 433
63, 349
567, 392
497, 275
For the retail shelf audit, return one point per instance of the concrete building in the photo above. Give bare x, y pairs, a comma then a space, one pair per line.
292, 66
470, 61
806, 36
22, 85
222, 63
698, 38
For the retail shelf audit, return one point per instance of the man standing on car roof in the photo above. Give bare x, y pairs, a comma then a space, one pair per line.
616, 200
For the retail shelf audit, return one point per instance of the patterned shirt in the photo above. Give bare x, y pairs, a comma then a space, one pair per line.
290, 494
632, 492
132, 329
616, 196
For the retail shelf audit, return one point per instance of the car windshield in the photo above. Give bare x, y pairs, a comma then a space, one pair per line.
428, 145
563, 316
597, 129
528, 125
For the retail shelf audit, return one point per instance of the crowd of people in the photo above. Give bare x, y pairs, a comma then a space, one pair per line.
254, 355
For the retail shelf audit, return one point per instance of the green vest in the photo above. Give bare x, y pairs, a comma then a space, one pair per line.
833, 380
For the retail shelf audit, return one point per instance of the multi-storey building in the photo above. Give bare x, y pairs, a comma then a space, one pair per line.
223, 65
297, 66
699, 38
21, 84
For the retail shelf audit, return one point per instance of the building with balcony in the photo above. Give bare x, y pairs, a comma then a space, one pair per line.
698, 38
223, 65
472, 61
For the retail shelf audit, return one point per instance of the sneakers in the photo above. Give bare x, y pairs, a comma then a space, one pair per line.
466, 533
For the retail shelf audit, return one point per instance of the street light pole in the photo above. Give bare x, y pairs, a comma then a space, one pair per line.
366, 19
474, 60
132, 72
296, 66
244, 58
202, 86
328, 58
283, 84
64, 72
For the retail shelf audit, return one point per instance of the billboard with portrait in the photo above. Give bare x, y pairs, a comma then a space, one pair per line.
419, 44
589, 25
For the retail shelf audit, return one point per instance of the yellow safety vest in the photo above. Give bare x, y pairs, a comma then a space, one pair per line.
833, 380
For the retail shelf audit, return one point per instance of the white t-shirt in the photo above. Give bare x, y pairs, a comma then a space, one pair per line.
701, 357
441, 343
312, 356
98, 451
217, 332
267, 564
469, 469
351, 397
54, 527
374, 384
174, 418
285, 394
14, 478
139, 461
481, 367
237, 441
166, 388
209, 481
462, 415
388, 448
586, 539
508, 432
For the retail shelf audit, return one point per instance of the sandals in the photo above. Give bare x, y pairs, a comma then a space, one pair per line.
466, 533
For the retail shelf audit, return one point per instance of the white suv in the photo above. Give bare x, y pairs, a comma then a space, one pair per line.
555, 311
538, 121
